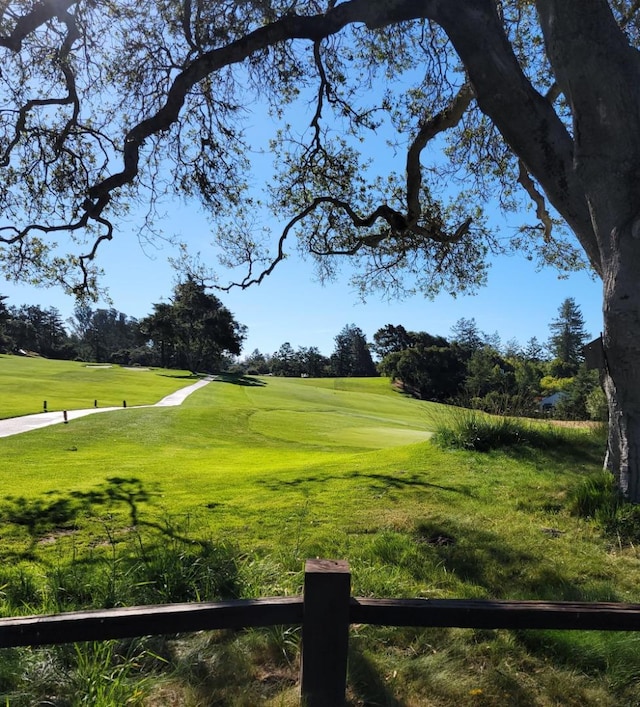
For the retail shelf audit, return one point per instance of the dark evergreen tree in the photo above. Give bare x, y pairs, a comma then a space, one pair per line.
196, 326
313, 363
467, 335
534, 350
391, 338
256, 363
159, 329
351, 356
105, 335
32, 328
568, 337
6, 343
285, 361
426, 340
430, 373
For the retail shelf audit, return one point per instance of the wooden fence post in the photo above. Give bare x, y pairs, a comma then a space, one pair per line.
325, 633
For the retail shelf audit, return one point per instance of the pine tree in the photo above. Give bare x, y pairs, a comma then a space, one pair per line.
351, 356
568, 336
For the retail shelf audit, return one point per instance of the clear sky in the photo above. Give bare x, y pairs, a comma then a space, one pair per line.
291, 306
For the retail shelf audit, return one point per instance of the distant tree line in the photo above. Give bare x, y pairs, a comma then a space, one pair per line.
470, 368
475, 370
351, 357
193, 330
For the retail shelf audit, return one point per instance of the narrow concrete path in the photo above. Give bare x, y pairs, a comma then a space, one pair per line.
26, 423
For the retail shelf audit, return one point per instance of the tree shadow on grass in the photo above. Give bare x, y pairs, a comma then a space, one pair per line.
575, 452
38, 516
485, 559
508, 570
378, 483
365, 681
133, 561
54, 513
238, 379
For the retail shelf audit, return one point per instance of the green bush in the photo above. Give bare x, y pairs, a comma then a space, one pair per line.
596, 404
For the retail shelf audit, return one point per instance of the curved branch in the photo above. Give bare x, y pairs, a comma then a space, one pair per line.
395, 221
314, 28
429, 128
538, 199
288, 27
70, 99
41, 13
519, 111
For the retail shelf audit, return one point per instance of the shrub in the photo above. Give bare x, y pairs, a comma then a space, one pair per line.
596, 404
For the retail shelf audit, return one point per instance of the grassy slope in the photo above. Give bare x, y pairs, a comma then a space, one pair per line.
288, 469
299, 462
70, 385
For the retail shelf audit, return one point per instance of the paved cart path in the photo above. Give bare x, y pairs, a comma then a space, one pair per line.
16, 425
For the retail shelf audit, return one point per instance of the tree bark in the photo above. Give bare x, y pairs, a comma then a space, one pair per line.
621, 376
590, 174
524, 117
599, 73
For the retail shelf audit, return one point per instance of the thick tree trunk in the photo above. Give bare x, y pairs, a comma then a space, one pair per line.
621, 378
598, 72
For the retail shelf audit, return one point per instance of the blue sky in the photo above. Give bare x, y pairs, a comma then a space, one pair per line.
291, 306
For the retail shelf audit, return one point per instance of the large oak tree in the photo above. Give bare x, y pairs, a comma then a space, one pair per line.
108, 103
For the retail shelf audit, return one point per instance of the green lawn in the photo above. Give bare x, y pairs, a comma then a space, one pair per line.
26, 382
276, 470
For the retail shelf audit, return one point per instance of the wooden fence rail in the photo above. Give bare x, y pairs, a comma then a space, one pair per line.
325, 611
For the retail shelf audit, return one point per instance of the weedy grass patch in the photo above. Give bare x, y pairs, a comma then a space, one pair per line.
228, 494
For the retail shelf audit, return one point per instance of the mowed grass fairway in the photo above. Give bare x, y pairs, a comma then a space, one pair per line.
237, 455
26, 382
272, 471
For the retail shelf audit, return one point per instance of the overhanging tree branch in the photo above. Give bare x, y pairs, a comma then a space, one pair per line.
40, 14
427, 130
525, 118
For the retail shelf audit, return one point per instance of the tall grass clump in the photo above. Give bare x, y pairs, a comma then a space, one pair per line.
474, 431
103, 677
598, 499
99, 674
595, 498
133, 567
